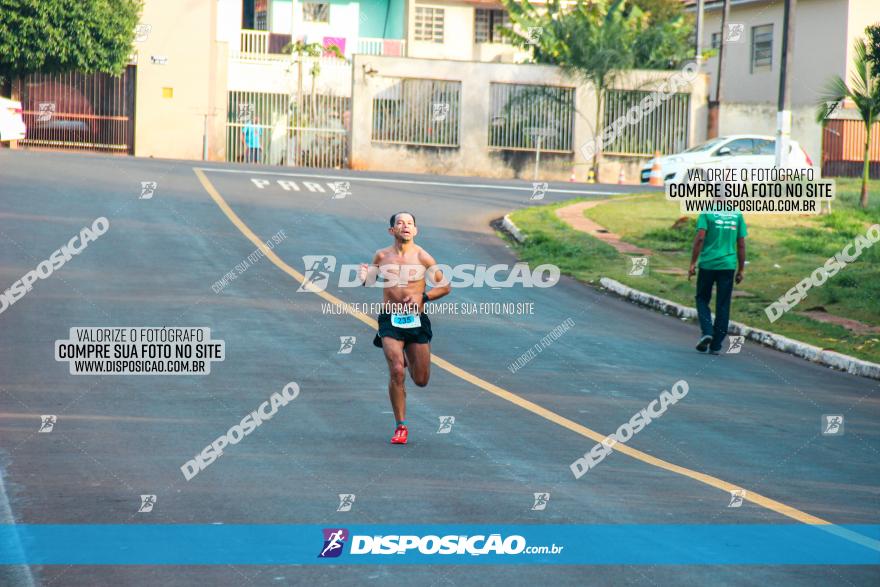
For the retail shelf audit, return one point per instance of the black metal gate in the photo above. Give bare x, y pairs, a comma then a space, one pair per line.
93, 112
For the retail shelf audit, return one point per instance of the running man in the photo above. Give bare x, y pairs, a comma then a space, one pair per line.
404, 329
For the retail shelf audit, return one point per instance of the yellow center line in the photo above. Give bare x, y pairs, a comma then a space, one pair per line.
756, 498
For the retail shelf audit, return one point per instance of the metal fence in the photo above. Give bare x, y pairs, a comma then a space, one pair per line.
664, 129
279, 129
526, 117
843, 148
372, 46
80, 111
420, 112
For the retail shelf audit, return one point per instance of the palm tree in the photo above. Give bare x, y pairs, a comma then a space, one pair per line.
864, 92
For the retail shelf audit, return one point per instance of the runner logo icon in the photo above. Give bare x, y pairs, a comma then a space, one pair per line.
832, 424
539, 190
736, 498
147, 503
736, 344
346, 500
148, 188
446, 423
47, 423
318, 269
334, 540
341, 189
541, 500
638, 265
346, 345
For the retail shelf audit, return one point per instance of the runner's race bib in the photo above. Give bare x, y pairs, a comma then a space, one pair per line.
406, 320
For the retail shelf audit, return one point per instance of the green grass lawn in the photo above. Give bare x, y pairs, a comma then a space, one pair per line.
781, 251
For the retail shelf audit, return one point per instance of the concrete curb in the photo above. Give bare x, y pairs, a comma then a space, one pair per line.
508, 225
787, 345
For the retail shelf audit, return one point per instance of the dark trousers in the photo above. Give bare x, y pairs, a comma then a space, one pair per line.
254, 155
706, 279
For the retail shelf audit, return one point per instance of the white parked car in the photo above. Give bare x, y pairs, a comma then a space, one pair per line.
742, 151
12, 126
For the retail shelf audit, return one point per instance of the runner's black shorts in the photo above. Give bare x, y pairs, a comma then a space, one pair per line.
421, 334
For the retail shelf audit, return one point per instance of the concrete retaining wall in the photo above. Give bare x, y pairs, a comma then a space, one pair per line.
472, 156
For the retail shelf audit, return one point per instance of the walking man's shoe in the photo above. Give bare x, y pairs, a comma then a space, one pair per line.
704, 343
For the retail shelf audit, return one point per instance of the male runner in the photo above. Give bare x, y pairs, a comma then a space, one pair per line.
404, 329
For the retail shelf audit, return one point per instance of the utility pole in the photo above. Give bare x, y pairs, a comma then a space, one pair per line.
698, 46
783, 105
715, 106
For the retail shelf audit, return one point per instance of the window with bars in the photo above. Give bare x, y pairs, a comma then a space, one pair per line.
429, 24
419, 112
664, 129
522, 117
488, 25
316, 12
716, 40
762, 46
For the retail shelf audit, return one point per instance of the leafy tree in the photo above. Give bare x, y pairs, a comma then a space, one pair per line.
864, 92
303, 50
57, 36
591, 40
659, 11
873, 34
665, 40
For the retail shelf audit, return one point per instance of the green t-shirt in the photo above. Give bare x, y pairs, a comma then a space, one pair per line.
722, 230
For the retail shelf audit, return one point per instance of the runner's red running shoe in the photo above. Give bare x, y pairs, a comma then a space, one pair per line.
400, 435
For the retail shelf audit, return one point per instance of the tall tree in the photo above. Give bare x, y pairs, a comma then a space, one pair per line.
664, 41
56, 36
592, 40
863, 91
873, 35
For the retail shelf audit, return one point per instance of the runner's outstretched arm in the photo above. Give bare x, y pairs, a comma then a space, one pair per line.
442, 286
367, 273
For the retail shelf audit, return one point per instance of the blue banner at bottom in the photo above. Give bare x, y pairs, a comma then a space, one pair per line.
708, 544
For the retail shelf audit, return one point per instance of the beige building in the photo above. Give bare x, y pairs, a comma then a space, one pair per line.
823, 40
465, 30
203, 84
507, 107
181, 81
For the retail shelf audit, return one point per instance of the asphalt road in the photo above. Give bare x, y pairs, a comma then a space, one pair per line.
750, 419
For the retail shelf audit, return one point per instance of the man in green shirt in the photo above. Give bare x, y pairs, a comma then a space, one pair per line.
720, 251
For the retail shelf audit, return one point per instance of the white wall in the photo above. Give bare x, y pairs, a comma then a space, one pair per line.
344, 22
458, 38
458, 33
282, 16
175, 99
820, 50
761, 119
229, 22
499, 53
279, 76
473, 156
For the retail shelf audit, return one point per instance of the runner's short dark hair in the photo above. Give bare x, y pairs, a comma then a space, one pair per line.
396, 214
